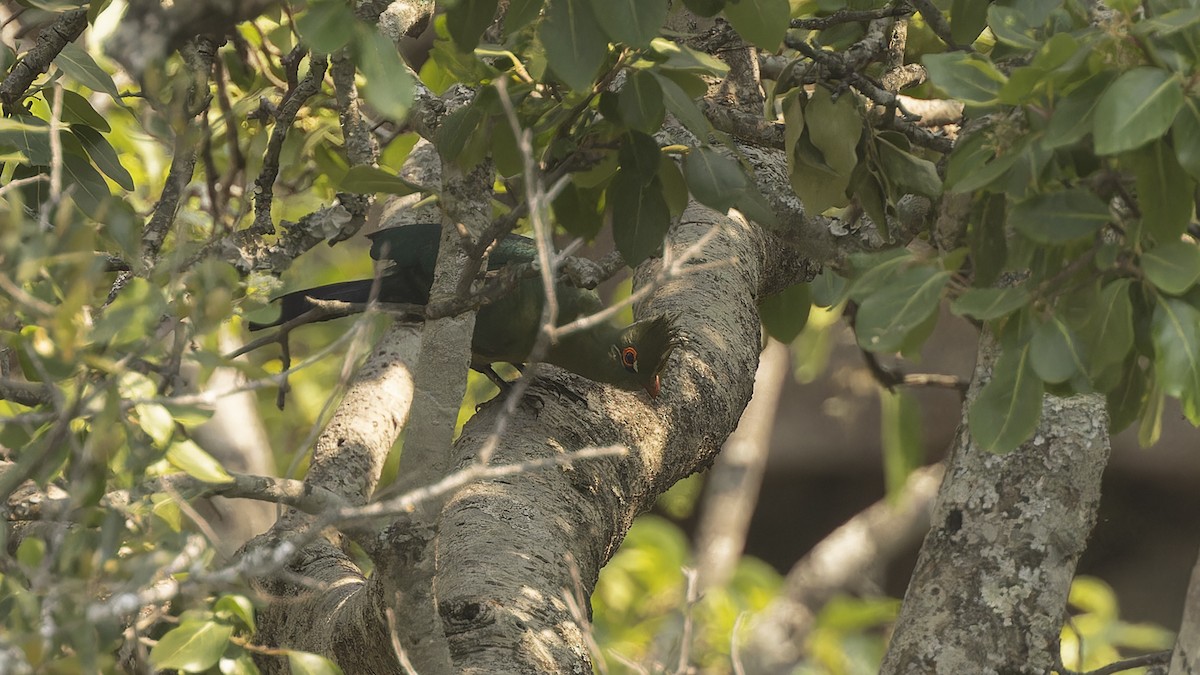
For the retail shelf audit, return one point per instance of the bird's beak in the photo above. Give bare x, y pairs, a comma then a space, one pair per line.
652, 387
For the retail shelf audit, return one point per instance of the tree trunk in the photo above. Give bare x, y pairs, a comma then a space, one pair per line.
990, 588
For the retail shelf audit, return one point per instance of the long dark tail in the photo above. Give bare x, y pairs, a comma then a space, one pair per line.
296, 303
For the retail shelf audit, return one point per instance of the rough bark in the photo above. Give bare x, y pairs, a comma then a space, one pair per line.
990, 588
502, 601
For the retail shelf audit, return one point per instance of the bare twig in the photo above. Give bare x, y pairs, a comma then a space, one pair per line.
1154, 659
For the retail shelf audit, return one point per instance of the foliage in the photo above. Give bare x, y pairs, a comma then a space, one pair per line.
120, 277
641, 602
1080, 176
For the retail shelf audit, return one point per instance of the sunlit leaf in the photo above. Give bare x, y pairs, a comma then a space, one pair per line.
193, 646
304, 663
195, 462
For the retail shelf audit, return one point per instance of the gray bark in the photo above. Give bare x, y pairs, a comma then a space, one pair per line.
990, 588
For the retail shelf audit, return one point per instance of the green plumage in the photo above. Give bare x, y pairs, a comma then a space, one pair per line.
505, 330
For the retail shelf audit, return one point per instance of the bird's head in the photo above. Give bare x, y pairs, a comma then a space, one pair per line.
642, 350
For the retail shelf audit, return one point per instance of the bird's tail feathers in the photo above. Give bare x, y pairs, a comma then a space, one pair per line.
292, 305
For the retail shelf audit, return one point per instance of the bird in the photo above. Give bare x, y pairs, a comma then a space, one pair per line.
630, 357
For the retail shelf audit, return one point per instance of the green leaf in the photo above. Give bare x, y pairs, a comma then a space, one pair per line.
467, 19
578, 211
1175, 328
81, 67
634, 22
911, 174
456, 131
985, 304
640, 102
1059, 217
575, 45
1075, 113
236, 607
519, 14
1007, 409
885, 318
103, 155
834, 127
1185, 137
304, 663
675, 56
640, 216
785, 313
714, 179
705, 8
1055, 351
1126, 400
968, 18
1011, 27
1164, 191
327, 26
828, 288
77, 111
987, 239
763, 23
900, 431
640, 156
1150, 421
1109, 330
193, 646
675, 189
389, 87
1135, 109
195, 462
975, 167
29, 135
363, 179
877, 271
683, 107
87, 187
868, 191
965, 76
1173, 267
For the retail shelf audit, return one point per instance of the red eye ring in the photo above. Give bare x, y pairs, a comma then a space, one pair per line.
629, 356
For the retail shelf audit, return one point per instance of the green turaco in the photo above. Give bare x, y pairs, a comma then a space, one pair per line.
505, 330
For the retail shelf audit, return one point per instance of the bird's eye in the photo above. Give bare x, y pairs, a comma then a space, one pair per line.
629, 358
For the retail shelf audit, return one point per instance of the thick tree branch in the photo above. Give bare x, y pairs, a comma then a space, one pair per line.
50, 42
990, 588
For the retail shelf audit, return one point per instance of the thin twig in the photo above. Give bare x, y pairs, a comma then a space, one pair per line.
1154, 659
